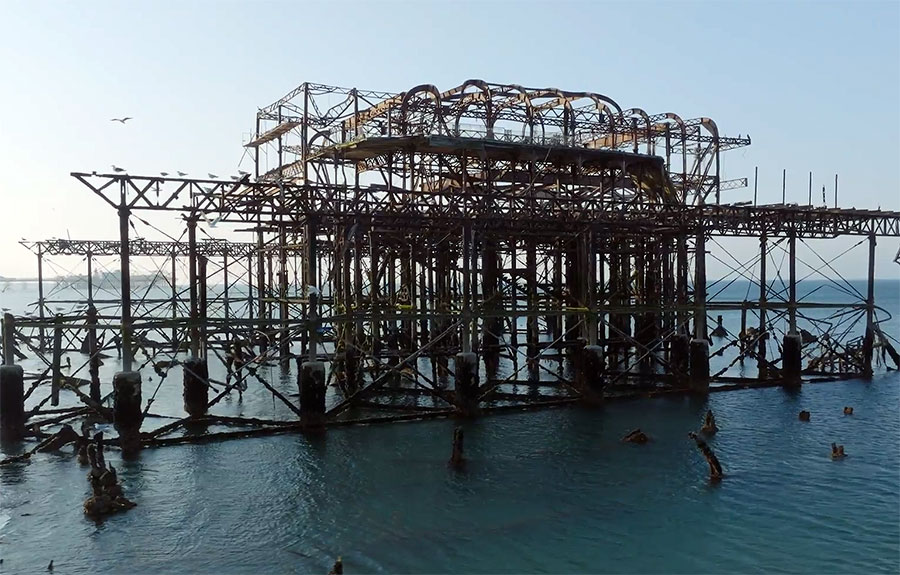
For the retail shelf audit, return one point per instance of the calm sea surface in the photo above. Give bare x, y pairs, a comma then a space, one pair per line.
551, 491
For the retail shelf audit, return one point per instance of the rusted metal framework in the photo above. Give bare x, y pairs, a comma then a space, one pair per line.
484, 247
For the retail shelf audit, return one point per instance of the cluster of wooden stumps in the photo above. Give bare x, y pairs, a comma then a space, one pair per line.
106, 492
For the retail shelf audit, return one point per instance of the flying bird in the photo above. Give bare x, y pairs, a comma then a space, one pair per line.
121, 120
117, 168
182, 174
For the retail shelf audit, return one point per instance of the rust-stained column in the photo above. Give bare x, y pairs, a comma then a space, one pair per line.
869, 338
763, 288
125, 273
699, 358
192, 287
791, 355
531, 332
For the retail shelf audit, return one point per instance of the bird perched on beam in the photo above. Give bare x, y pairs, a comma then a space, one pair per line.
117, 169
121, 120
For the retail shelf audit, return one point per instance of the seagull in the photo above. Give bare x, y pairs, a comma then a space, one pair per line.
243, 173
182, 174
212, 176
117, 168
164, 174
121, 120
235, 178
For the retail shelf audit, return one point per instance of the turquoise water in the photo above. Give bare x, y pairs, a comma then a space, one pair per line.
552, 491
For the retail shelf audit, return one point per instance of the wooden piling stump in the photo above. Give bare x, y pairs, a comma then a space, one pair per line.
12, 402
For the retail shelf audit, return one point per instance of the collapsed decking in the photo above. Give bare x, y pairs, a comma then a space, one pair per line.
431, 225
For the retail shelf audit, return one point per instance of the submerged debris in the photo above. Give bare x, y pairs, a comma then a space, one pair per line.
107, 495
636, 436
848, 411
837, 451
715, 468
457, 461
804, 415
709, 424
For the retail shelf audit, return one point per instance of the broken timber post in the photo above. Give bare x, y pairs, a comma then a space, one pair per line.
591, 376
312, 394
9, 339
466, 370
127, 414
196, 390
56, 380
12, 402
791, 358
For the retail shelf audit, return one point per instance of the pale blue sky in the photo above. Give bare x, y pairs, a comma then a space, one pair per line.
815, 84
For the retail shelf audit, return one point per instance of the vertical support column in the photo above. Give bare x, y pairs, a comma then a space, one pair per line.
680, 346
742, 338
40, 270
699, 358
94, 359
127, 415
489, 273
90, 277
467, 293
531, 332
9, 339
590, 286
514, 295
763, 335
284, 340
602, 296
194, 330
642, 259
226, 304
407, 287
272, 292
423, 297
554, 320
174, 335
56, 381
12, 402
312, 394
351, 351
202, 305
310, 267
250, 286
195, 390
466, 371
125, 272
869, 338
261, 310
374, 293
791, 359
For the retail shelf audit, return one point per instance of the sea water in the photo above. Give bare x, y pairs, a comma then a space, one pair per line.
552, 491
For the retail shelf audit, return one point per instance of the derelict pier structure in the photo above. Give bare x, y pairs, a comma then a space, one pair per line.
460, 251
